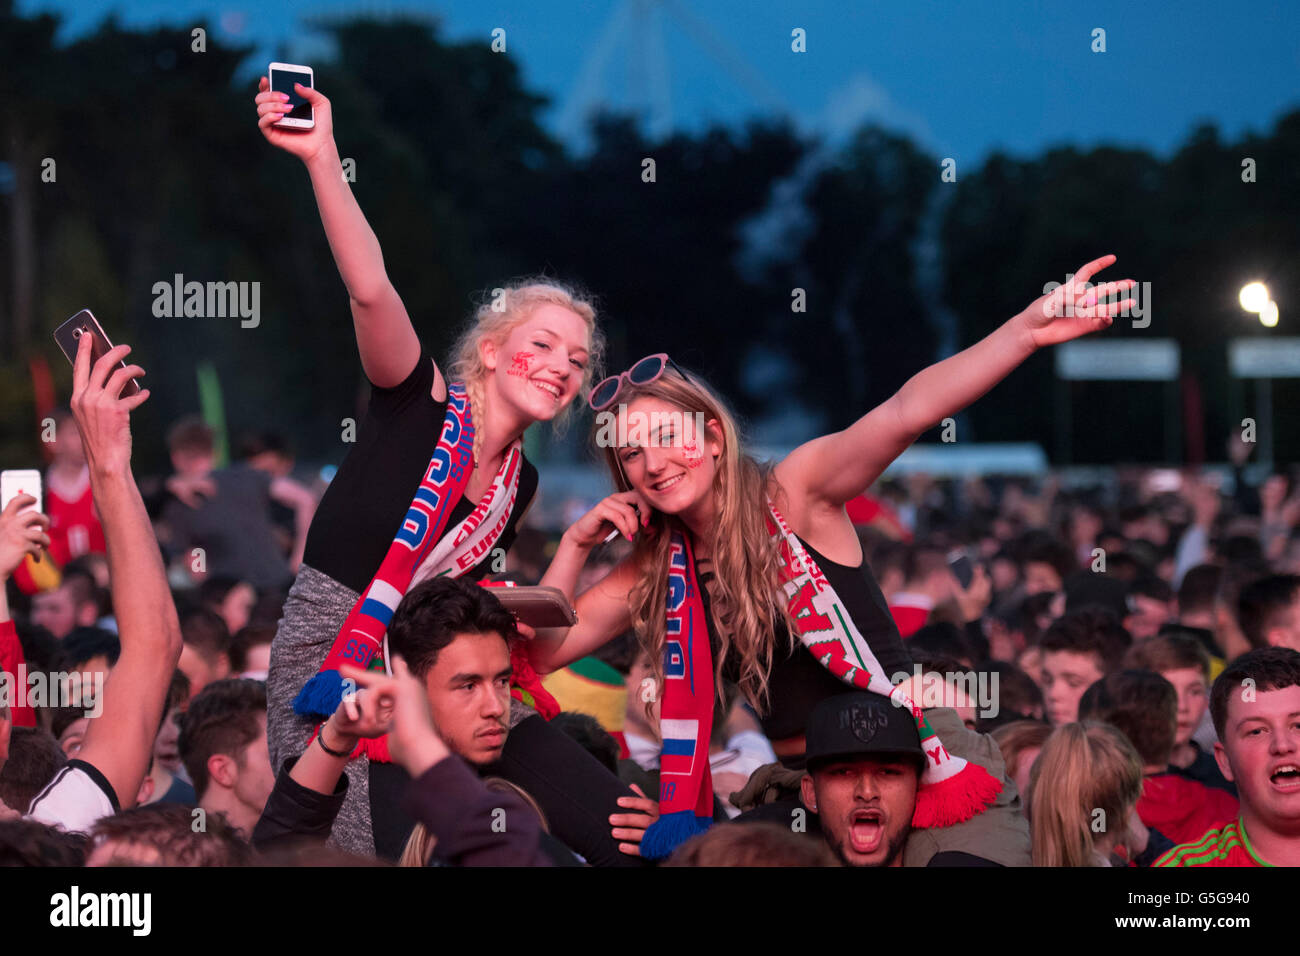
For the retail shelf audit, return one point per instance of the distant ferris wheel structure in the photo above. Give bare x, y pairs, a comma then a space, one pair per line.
637, 28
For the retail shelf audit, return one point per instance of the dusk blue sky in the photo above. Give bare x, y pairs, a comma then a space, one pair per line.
963, 78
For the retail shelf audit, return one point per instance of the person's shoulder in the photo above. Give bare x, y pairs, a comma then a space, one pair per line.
180, 792
240, 477
1181, 789
528, 478
417, 384
1214, 848
783, 811
77, 797
960, 858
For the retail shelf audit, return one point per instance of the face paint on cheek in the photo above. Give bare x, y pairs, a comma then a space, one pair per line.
691, 452
519, 364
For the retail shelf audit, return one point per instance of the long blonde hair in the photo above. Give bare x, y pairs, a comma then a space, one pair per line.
1083, 768
748, 604
496, 316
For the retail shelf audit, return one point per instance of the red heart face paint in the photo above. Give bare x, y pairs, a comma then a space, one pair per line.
691, 452
519, 364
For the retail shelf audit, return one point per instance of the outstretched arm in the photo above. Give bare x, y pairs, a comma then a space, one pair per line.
603, 611
835, 468
386, 339
119, 742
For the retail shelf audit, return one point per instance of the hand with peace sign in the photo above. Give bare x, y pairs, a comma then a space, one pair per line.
398, 705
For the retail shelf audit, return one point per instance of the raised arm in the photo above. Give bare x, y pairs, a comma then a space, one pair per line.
603, 611
119, 742
386, 339
835, 468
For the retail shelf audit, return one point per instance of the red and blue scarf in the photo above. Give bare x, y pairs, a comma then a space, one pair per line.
951, 789
421, 550
686, 712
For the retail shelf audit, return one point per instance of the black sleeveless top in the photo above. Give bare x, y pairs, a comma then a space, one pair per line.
364, 505
798, 682
360, 513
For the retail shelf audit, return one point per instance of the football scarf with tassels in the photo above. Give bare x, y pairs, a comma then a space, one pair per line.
951, 789
421, 550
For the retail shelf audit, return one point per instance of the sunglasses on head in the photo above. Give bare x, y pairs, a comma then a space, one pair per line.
647, 370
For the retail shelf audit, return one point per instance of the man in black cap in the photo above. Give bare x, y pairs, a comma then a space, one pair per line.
864, 766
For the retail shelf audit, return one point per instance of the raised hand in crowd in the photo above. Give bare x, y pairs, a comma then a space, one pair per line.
386, 339
974, 599
22, 532
118, 744
412, 738
303, 143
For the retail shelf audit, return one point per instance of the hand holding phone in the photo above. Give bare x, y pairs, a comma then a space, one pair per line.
15, 482
960, 563
68, 337
284, 78
23, 529
303, 143
103, 409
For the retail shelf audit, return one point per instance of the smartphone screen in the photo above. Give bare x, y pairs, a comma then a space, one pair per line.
961, 566
20, 482
282, 81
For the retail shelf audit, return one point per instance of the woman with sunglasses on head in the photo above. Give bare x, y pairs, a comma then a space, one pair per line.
737, 564
436, 483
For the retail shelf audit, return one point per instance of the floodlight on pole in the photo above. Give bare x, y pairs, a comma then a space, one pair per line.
1253, 296
1268, 315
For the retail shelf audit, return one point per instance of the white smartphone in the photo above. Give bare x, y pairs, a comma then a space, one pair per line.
20, 482
282, 77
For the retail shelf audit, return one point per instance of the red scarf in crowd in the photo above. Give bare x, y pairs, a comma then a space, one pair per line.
951, 789
421, 550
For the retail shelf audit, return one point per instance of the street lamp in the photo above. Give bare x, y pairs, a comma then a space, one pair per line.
1253, 296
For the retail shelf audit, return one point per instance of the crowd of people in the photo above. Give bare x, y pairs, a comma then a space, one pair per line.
791, 663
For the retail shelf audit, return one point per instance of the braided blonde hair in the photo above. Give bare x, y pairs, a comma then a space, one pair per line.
498, 312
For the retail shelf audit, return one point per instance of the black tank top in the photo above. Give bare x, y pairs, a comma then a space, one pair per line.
364, 505
798, 682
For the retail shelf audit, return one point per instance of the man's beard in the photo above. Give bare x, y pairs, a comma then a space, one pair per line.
895, 848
